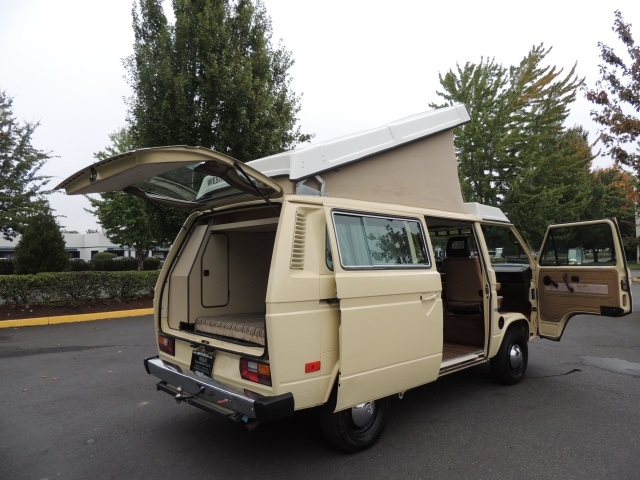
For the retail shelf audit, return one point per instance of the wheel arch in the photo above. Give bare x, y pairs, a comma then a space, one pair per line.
509, 320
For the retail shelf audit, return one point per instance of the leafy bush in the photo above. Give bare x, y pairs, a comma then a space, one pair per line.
151, 263
102, 261
110, 262
123, 286
122, 264
80, 265
6, 266
103, 256
75, 288
16, 289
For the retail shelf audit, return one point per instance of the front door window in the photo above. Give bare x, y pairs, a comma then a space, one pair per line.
579, 245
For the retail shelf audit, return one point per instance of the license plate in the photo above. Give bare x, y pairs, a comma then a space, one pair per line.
201, 364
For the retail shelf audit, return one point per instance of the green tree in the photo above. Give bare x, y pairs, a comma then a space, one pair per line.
121, 141
21, 185
212, 79
615, 194
515, 152
130, 221
42, 246
557, 188
616, 97
483, 145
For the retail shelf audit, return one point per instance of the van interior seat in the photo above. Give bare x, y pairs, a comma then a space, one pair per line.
249, 327
464, 277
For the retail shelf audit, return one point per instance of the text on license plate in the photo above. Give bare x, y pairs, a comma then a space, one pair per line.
201, 363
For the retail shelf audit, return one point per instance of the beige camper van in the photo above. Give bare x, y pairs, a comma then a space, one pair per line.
338, 275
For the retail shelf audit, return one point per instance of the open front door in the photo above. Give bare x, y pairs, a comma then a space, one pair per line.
390, 305
581, 269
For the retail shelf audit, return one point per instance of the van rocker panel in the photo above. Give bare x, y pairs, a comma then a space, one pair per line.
221, 397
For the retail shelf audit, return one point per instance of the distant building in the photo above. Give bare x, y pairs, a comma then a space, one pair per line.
86, 245
81, 245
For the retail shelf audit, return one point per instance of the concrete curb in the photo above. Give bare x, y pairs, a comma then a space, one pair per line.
85, 317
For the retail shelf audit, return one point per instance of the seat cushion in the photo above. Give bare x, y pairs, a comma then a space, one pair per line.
247, 327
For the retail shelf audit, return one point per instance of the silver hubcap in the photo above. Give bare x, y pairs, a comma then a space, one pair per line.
363, 414
515, 357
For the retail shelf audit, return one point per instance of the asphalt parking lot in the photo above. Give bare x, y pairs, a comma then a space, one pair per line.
78, 404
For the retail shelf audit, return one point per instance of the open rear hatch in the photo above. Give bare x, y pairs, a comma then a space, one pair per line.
226, 252
177, 176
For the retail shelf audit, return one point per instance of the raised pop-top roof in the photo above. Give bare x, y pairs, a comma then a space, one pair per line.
408, 162
486, 212
314, 159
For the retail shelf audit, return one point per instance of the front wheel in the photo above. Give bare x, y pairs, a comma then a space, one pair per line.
356, 428
510, 364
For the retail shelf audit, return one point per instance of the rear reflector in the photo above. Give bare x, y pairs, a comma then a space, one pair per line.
312, 367
257, 372
167, 345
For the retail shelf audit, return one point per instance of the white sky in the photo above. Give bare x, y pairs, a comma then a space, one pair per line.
359, 63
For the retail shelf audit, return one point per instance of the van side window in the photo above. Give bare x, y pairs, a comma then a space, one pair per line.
372, 241
580, 245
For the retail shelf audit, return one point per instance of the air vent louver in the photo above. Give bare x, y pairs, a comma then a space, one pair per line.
299, 241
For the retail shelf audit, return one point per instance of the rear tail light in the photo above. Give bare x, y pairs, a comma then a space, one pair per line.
167, 344
257, 372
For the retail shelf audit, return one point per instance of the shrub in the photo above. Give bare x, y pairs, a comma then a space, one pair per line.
6, 266
110, 262
103, 256
151, 263
80, 265
16, 289
75, 288
123, 264
101, 261
123, 286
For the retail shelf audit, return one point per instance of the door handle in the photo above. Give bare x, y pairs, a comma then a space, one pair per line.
330, 301
566, 282
428, 298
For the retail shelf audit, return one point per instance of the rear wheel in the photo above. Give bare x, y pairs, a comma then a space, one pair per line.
510, 364
356, 428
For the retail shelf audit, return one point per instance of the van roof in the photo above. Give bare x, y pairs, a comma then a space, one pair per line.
314, 159
486, 212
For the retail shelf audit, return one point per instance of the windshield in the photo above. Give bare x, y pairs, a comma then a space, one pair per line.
503, 245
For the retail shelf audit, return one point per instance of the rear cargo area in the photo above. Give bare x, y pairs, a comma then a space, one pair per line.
217, 286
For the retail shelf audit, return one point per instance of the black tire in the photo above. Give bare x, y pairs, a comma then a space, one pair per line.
510, 364
354, 429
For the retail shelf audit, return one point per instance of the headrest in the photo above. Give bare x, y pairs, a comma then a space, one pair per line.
458, 247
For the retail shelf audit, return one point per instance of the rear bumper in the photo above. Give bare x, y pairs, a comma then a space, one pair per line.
213, 396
